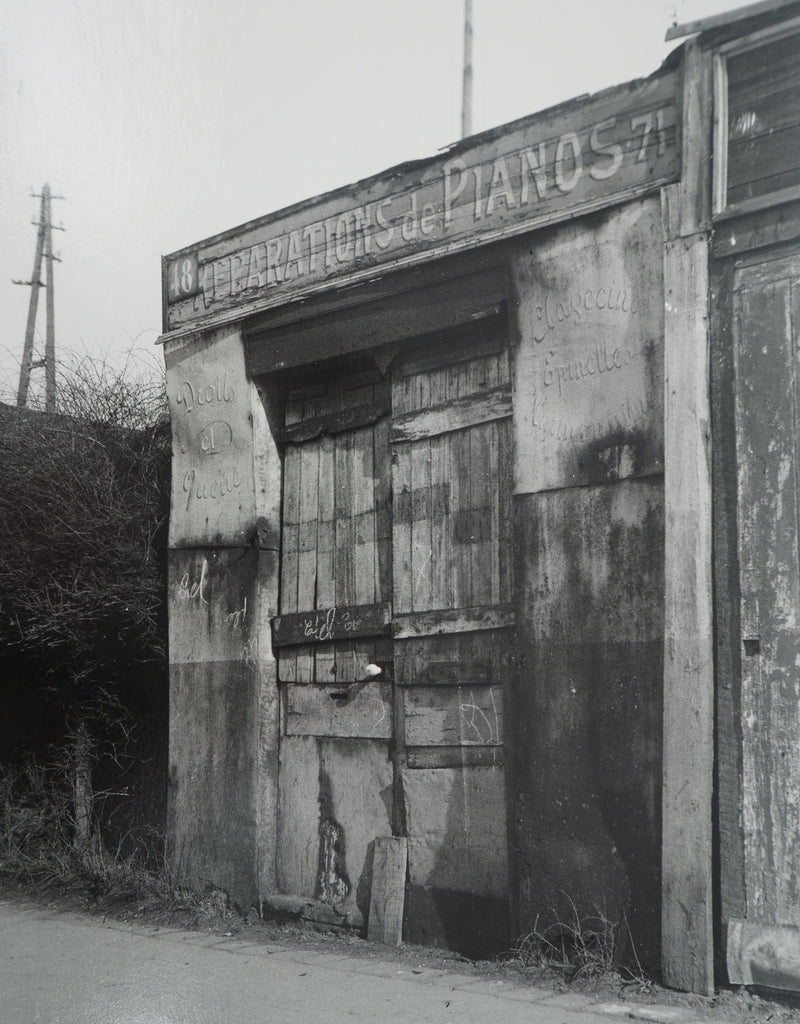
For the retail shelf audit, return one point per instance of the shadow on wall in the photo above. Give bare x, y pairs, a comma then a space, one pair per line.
457, 895
588, 694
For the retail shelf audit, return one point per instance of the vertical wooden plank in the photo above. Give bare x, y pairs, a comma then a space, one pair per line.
387, 897
421, 525
452, 382
363, 516
345, 661
400, 394
401, 527
459, 505
495, 533
383, 511
479, 374
464, 377
307, 554
505, 491
687, 932
503, 369
481, 484
437, 386
307, 543
441, 575
324, 661
343, 508
695, 185
422, 391
291, 526
287, 659
326, 588
267, 465
687, 923
344, 570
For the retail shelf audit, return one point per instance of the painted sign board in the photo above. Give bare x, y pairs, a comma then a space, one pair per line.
589, 398
213, 483
580, 156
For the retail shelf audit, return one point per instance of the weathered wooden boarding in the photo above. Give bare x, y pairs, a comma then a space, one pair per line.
387, 895
484, 588
576, 157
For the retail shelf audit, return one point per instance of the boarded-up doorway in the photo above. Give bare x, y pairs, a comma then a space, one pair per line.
396, 557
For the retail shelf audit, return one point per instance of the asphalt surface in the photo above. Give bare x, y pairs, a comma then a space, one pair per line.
59, 967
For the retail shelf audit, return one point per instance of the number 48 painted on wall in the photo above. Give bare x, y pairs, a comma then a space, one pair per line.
183, 278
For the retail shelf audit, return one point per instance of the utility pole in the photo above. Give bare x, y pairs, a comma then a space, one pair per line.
466, 93
44, 250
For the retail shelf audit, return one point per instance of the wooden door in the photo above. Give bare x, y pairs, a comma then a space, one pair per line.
396, 555
767, 340
451, 471
452, 627
336, 775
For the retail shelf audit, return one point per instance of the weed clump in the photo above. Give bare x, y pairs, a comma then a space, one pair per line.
41, 847
582, 947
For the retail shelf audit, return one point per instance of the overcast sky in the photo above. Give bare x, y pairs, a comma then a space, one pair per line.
165, 121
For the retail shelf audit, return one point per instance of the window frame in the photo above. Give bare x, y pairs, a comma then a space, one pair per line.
721, 208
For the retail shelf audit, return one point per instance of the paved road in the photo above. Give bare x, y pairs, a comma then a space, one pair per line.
63, 968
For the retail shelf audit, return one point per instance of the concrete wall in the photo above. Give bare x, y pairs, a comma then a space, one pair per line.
586, 745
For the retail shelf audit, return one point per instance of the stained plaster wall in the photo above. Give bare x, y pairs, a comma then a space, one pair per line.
222, 592
585, 738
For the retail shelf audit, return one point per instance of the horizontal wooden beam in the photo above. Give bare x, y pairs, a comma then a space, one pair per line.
757, 229
464, 716
454, 757
450, 416
326, 624
758, 203
459, 620
358, 710
456, 673
335, 422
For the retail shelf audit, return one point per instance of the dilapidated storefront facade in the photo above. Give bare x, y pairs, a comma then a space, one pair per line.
443, 561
